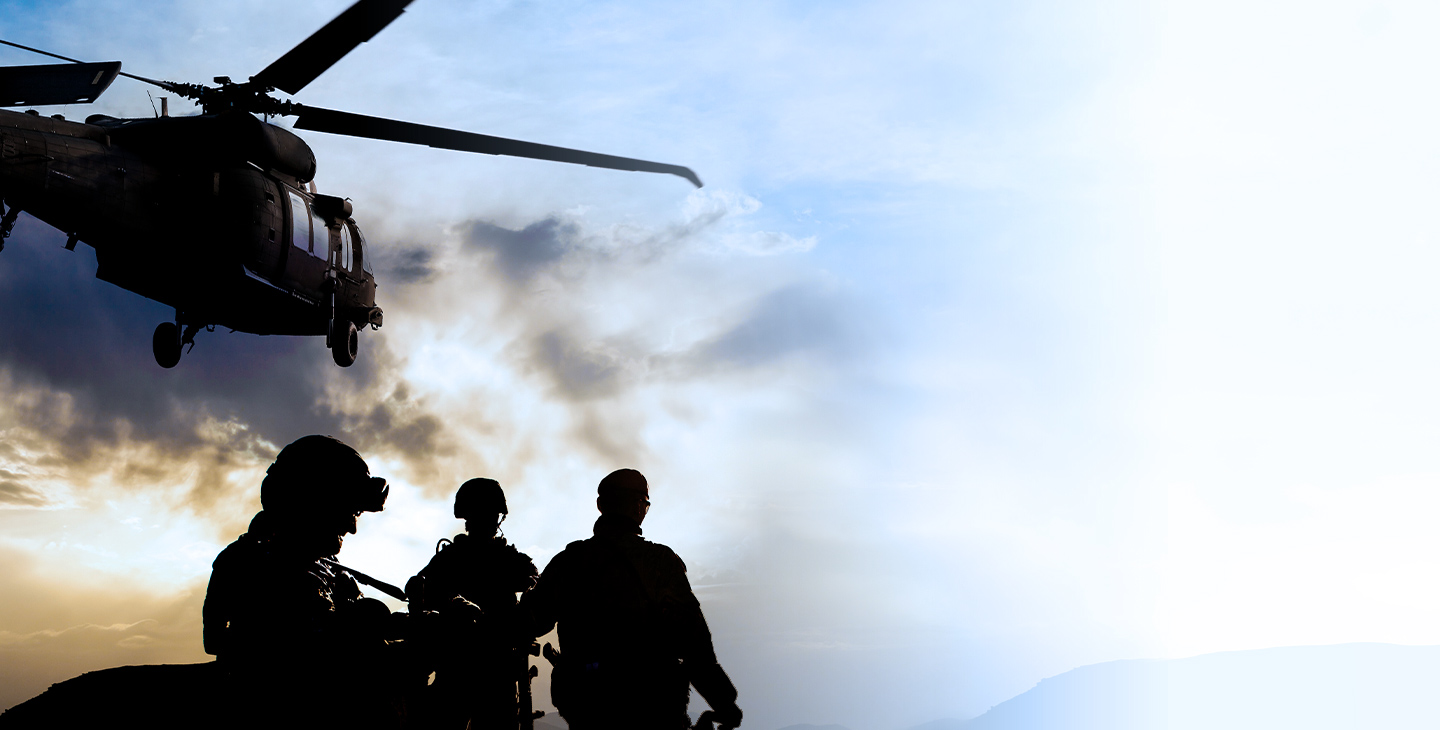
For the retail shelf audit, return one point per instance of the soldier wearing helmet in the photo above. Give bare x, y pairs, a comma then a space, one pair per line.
476, 681
632, 635
283, 621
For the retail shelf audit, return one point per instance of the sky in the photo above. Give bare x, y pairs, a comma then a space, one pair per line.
1004, 338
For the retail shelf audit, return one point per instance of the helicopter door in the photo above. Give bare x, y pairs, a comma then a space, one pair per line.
310, 249
321, 248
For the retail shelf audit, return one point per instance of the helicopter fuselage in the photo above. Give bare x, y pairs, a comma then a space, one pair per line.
208, 214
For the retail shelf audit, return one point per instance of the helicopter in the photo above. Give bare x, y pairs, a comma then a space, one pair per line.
217, 214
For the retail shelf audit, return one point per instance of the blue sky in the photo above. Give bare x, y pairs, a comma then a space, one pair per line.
1003, 339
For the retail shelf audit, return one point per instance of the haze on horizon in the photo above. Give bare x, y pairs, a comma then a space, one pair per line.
1004, 338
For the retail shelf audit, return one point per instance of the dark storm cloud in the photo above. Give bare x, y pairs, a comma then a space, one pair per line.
406, 266
401, 426
79, 350
519, 254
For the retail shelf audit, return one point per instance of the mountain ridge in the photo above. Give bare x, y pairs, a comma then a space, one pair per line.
1326, 687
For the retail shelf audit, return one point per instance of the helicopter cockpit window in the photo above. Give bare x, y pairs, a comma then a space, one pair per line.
361, 250
300, 227
346, 253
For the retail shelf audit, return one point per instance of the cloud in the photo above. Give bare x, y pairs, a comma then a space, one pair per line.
797, 319
716, 222
397, 425
405, 265
84, 391
800, 318
578, 370
81, 637
519, 254
14, 493
707, 208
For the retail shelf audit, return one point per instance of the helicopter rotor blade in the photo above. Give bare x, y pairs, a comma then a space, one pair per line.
166, 85
359, 125
55, 83
305, 62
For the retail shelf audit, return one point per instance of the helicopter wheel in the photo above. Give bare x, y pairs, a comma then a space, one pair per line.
344, 343
166, 343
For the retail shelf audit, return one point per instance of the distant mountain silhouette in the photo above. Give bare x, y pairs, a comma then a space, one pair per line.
945, 724
1311, 687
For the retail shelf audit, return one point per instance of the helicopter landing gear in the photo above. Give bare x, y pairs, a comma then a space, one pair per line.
344, 342
189, 337
166, 343
169, 342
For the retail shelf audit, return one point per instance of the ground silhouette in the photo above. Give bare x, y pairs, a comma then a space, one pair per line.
158, 696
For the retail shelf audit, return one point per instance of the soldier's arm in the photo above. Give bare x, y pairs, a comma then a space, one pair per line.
719, 692
540, 606
215, 614
425, 587
698, 653
529, 575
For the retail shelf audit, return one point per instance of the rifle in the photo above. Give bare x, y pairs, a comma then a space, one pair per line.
526, 712
376, 583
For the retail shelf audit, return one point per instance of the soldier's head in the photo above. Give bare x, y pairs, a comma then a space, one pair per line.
316, 489
481, 503
624, 493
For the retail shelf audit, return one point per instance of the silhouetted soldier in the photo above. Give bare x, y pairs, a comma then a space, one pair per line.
632, 636
477, 674
298, 641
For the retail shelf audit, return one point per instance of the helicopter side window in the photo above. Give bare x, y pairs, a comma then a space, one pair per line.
321, 249
300, 223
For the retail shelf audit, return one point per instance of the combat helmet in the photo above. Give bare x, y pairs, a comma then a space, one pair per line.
480, 496
623, 483
320, 473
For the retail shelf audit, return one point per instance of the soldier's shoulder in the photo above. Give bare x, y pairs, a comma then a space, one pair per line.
455, 547
244, 551
577, 551
663, 555
657, 548
568, 561
517, 556
447, 555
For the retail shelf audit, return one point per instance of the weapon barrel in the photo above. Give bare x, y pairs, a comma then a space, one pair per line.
379, 585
